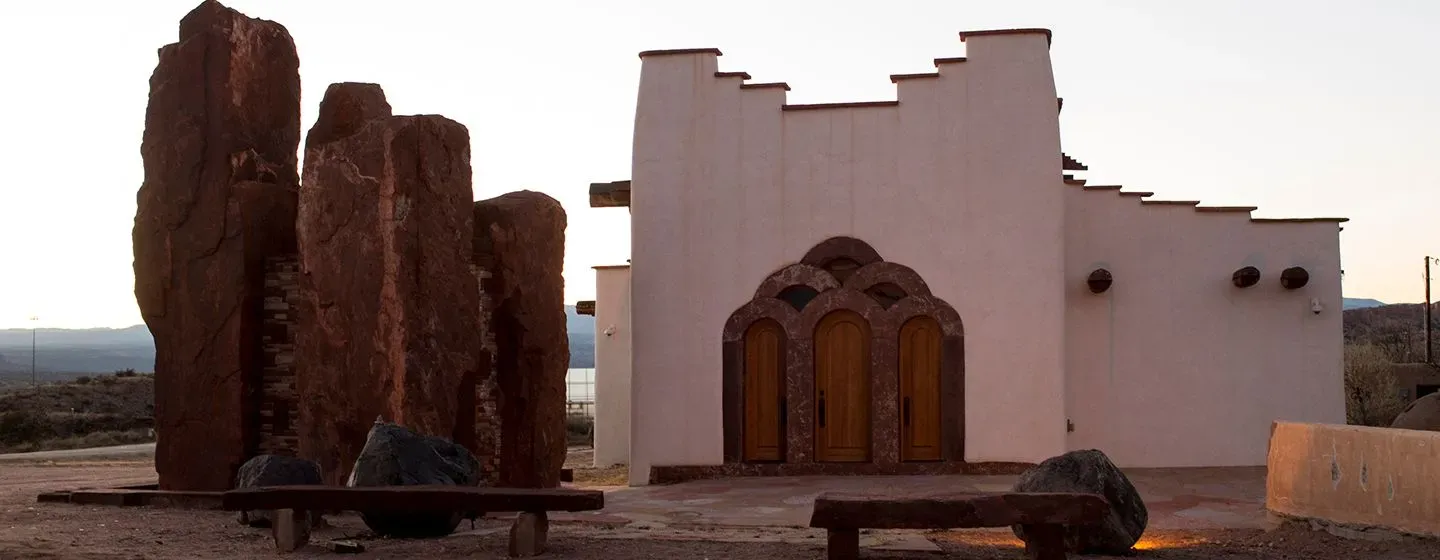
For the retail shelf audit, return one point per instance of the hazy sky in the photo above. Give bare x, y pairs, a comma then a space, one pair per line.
1303, 108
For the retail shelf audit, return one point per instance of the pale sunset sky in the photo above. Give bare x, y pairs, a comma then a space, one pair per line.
1303, 108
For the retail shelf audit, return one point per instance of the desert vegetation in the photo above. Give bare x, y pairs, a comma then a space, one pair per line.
1372, 393
1376, 340
88, 411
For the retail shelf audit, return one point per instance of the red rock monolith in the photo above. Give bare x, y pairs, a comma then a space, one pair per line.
221, 133
345, 109
388, 309
520, 251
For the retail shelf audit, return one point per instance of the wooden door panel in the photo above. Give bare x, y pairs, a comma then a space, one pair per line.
920, 403
764, 386
842, 388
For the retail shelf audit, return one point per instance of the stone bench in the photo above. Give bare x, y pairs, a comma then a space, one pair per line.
1042, 515
290, 522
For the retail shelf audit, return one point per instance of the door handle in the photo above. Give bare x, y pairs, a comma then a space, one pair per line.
822, 409
907, 411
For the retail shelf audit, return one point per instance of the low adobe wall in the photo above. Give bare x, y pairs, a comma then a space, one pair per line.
1355, 475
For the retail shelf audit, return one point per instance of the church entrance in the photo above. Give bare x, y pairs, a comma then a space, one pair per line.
842, 362
842, 388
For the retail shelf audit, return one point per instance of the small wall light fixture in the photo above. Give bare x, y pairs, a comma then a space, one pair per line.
610, 330
1099, 281
1245, 277
1315, 306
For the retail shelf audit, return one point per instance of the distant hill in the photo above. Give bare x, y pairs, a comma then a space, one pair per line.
67, 353
1361, 303
1397, 329
128, 336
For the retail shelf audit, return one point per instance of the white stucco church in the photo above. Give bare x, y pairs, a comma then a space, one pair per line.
917, 286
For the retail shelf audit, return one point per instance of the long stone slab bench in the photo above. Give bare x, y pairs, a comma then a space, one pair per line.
1043, 516
290, 521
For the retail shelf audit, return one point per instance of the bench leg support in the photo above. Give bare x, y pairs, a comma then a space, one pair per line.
1045, 542
290, 528
528, 533
843, 544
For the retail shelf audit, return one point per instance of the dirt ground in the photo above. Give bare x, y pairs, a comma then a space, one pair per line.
31, 530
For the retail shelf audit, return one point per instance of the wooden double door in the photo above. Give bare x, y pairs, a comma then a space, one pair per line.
843, 381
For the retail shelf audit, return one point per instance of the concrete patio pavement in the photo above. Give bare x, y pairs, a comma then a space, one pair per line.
1202, 498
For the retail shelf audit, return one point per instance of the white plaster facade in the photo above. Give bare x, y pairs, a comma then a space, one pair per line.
961, 180
612, 365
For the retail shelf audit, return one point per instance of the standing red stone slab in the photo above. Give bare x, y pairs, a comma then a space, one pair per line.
221, 133
345, 109
520, 249
389, 307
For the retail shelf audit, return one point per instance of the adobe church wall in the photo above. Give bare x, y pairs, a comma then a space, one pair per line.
1174, 366
958, 180
612, 365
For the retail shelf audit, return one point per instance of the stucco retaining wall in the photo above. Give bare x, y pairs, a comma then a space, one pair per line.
1354, 475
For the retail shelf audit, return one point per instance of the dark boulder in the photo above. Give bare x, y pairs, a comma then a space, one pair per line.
1090, 471
396, 456
274, 470
1423, 414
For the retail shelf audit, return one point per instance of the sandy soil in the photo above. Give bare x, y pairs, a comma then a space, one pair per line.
31, 530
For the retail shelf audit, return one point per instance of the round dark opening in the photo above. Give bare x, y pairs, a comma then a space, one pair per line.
1245, 277
1099, 280
1294, 278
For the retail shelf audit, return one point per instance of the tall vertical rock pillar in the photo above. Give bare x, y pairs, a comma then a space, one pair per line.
389, 307
520, 251
221, 133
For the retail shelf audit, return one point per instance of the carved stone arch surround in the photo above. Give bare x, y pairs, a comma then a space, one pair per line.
885, 324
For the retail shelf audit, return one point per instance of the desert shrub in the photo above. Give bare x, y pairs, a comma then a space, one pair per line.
83, 380
1372, 393
125, 373
90, 440
23, 426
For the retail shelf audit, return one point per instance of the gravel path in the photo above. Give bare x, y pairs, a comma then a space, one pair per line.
31, 530
139, 451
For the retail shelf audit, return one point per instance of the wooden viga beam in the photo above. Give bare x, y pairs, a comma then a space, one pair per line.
615, 194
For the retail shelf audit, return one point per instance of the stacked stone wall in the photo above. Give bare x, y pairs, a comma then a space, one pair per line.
278, 410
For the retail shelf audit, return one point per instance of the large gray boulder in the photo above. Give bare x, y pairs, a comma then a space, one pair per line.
1091, 472
274, 470
1423, 414
396, 456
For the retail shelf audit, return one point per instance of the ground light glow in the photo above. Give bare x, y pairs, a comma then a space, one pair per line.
1160, 542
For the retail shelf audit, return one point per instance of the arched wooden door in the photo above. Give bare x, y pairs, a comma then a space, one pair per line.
764, 386
920, 390
842, 388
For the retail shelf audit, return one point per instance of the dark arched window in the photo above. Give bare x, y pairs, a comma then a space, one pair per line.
886, 294
841, 267
798, 296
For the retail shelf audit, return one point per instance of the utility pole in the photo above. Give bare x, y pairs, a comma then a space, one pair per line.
35, 323
1429, 352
